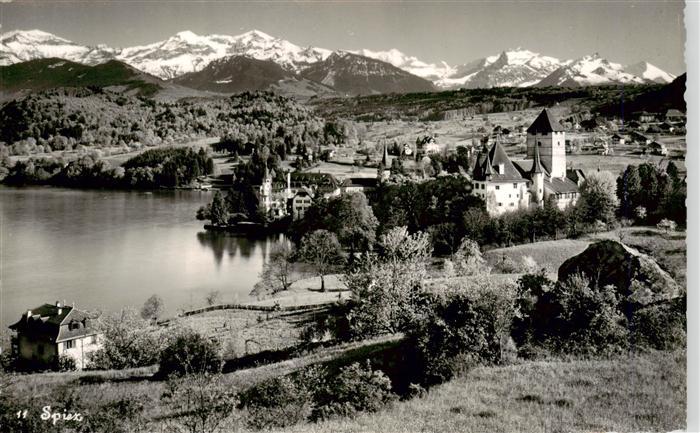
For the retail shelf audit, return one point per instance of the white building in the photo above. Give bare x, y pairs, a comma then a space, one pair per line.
507, 185
48, 332
293, 197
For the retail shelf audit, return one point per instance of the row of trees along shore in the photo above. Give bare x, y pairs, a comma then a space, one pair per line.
154, 168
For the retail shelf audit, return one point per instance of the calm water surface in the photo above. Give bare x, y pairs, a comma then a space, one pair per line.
107, 250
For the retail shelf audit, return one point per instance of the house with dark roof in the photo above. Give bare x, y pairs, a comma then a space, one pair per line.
639, 138
658, 148
667, 127
508, 185
365, 185
617, 139
674, 115
45, 333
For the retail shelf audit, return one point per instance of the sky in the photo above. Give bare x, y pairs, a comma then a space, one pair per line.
452, 31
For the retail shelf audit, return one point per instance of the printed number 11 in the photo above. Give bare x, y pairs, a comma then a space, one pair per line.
22, 414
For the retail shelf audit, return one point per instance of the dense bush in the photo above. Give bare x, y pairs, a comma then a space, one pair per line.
128, 341
660, 326
314, 394
282, 401
461, 328
66, 363
507, 265
190, 353
354, 389
125, 414
568, 317
199, 402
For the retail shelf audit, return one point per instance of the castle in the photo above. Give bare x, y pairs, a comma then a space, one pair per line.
508, 185
294, 198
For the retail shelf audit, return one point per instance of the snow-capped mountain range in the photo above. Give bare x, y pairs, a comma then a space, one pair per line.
514, 68
589, 71
187, 52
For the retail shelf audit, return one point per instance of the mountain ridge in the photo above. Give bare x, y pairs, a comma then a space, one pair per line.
187, 52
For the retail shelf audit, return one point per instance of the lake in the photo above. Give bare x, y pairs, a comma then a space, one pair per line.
109, 249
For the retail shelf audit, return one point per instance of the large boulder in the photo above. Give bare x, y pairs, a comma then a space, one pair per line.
637, 277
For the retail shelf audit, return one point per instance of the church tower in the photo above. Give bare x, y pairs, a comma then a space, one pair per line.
547, 135
266, 191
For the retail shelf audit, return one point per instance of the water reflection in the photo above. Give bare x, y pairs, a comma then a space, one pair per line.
105, 250
232, 246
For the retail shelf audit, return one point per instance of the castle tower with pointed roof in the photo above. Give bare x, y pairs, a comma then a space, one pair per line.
507, 185
548, 136
537, 178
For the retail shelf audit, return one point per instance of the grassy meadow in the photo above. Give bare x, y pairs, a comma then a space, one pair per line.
641, 392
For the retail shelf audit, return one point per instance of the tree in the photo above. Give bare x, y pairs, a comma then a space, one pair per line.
348, 216
199, 402
475, 221
190, 353
213, 297
152, 308
666, 225
568, 316
468, 259
629, 186
276, 275
128, 341
219, 211
598, 199
673, 173
444, 238
386, 286
321, 250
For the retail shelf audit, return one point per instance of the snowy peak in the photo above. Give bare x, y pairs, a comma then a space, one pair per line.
649, 72
411, 64
511, 68
591, 70
188, 52
24, 45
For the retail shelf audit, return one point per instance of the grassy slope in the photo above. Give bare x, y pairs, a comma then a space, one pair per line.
636, 393
640, 392
668, 249
548, 254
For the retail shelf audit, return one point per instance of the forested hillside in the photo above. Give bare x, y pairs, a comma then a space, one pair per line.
63, 119
437, 105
